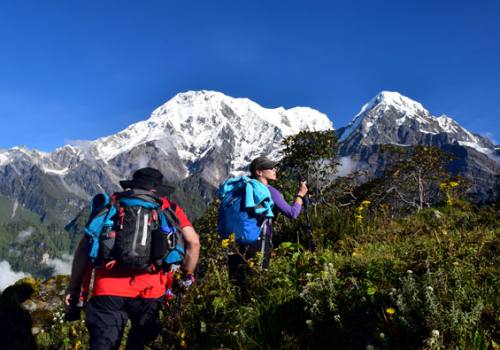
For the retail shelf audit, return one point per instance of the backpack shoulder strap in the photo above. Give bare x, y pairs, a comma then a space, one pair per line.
169, 209
102, 210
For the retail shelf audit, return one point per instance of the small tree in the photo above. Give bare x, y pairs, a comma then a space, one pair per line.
415, 175
309, 155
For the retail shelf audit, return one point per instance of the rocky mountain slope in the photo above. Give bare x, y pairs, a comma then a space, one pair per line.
390, 118
200, 137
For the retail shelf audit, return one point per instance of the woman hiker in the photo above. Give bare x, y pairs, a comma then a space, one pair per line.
264, 170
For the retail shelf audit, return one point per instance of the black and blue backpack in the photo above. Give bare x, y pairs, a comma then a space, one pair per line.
135, 228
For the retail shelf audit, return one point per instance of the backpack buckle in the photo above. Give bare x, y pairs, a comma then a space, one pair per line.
170, 241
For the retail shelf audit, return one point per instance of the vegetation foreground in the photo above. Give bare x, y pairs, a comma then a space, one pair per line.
425, 281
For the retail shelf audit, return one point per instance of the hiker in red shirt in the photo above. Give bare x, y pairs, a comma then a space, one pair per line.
121, 292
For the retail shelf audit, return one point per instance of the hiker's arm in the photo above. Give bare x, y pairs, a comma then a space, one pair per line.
290, 211
78, 270
192, 242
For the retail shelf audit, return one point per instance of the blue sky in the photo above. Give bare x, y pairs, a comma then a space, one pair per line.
72, 70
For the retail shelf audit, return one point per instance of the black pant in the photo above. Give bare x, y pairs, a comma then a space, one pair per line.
238, 268
106, 317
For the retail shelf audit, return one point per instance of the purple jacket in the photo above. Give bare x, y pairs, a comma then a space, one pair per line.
290, 211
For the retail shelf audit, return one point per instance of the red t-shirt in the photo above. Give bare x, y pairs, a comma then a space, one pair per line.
118, 281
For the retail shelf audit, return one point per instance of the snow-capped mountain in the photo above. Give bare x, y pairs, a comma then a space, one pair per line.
201, 134
390, 118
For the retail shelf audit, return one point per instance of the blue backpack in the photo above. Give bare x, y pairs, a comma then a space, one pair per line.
245, 205
136, 228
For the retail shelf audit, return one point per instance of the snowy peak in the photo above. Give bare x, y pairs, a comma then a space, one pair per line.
194, 122
396, 100
393, 118
377, 108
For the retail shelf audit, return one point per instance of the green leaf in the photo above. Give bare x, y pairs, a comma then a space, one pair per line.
218, 303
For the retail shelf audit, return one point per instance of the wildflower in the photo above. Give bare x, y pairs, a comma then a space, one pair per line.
309, 322
251, 263
430, 289
366, 202
443, 185
390, 311
336, 318
382, 335
183, 344
232, 237
454, 184
358, 218
409, 272
73, 331
435, 333
225, 243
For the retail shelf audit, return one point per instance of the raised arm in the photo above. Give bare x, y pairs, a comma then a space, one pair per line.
290, 211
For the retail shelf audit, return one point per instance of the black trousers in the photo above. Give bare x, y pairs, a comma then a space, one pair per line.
106, 317
238, 268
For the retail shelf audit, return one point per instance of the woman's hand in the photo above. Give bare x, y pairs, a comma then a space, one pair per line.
302, 189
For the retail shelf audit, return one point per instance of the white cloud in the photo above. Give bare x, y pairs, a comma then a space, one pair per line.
346, 167
61, 266
24, 234
9, 277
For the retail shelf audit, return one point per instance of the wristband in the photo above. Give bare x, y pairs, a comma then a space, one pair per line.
299, 196
190, 276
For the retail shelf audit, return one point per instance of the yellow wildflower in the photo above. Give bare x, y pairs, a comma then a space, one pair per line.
183, 344
225, 243
358, 218
251, 263
390, 311
454, 184
232, 238
78, 344
443, 185
366, 202
73, 330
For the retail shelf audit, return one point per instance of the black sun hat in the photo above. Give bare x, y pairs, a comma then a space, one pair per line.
262, 163
148, 179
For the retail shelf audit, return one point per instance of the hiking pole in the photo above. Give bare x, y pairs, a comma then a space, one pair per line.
312, 245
